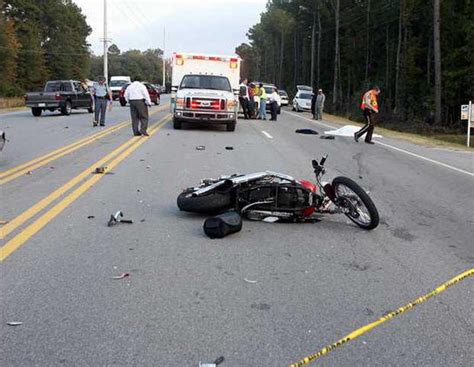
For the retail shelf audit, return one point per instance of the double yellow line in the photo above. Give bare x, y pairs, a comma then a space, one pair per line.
111, 160
24, 168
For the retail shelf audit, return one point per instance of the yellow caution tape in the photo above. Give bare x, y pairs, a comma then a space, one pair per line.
364, 329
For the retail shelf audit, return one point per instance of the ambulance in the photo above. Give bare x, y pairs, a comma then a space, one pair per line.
204, 89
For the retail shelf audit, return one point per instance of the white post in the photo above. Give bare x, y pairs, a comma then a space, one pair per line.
469, 118
106, 51
164, 62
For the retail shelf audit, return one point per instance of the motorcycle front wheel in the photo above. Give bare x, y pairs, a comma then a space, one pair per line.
211, 203
358, 206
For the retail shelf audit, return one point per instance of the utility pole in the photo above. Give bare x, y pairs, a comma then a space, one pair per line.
106, 48
164, 62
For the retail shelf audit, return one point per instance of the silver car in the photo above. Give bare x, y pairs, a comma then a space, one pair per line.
302, 101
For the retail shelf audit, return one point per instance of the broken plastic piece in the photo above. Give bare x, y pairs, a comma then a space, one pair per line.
327, 137
306, 131
229, 148
121, 276
117, 218
14, 323
250, 281
270, 219
200, 147
90, 217
217, 362
100, 170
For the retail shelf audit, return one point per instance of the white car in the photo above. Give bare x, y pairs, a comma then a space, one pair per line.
302, 101
285, 101
116, 83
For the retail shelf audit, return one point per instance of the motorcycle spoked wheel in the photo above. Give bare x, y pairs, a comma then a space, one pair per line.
211, 203
361, 208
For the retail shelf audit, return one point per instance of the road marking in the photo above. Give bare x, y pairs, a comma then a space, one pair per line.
43, 203
397, 149
22, 169
17, 241
267, 134
364, 329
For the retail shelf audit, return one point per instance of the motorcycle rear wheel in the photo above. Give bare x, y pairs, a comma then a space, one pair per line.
211, 203
362, 210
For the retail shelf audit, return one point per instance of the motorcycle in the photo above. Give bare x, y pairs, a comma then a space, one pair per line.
272, 196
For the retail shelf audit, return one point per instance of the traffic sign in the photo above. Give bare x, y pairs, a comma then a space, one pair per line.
465, 112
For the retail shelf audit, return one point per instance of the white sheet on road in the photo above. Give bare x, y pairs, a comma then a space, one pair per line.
348, 130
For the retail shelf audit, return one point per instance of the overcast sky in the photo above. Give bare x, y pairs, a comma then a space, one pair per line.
208, 26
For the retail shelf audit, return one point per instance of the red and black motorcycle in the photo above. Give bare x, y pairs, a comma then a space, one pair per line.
272, 196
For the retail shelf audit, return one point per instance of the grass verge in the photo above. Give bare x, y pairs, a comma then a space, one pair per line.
11, 103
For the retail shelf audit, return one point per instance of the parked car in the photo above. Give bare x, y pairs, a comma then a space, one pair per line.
154, 94
285, 101
304, 88
62, 95
302, 101
116, 84
3, 139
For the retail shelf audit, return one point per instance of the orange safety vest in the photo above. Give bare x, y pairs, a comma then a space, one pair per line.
369, 100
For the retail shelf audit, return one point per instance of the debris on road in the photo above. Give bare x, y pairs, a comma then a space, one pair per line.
270, 219
148, 167
200, 147
2, 222
347, 130
328, 137
217, 362
142, 220
90, 217
14, 323
100, 170
223, 225
250, 281
306, 131
29, 173
121, 276
117, 218
229, 148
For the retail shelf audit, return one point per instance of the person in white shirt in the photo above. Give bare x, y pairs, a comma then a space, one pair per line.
275, 102
138, 97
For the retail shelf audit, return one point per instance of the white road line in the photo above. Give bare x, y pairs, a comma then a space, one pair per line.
395, 148
267, 134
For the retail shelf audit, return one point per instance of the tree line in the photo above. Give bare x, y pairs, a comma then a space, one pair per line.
47, 39
420, 53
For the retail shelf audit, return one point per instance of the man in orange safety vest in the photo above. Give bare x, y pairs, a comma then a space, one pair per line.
369, 107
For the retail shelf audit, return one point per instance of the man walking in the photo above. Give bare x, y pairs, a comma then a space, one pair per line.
138, 97
319, 105
102, 96
369, 107
262, 114
244, 98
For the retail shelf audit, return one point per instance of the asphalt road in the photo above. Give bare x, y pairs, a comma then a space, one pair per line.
186, 299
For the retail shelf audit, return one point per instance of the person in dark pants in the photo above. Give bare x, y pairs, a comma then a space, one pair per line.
369, 108
102, 97
244, 98
275, 102
138, 97
251, 104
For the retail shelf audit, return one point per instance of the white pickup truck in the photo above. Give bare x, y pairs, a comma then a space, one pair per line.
204, 89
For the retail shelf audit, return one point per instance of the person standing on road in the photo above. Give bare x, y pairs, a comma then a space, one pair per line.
251, 92
244, 98
369, 107
275, 103
262, 115
138, 97
102, 97
319, 105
